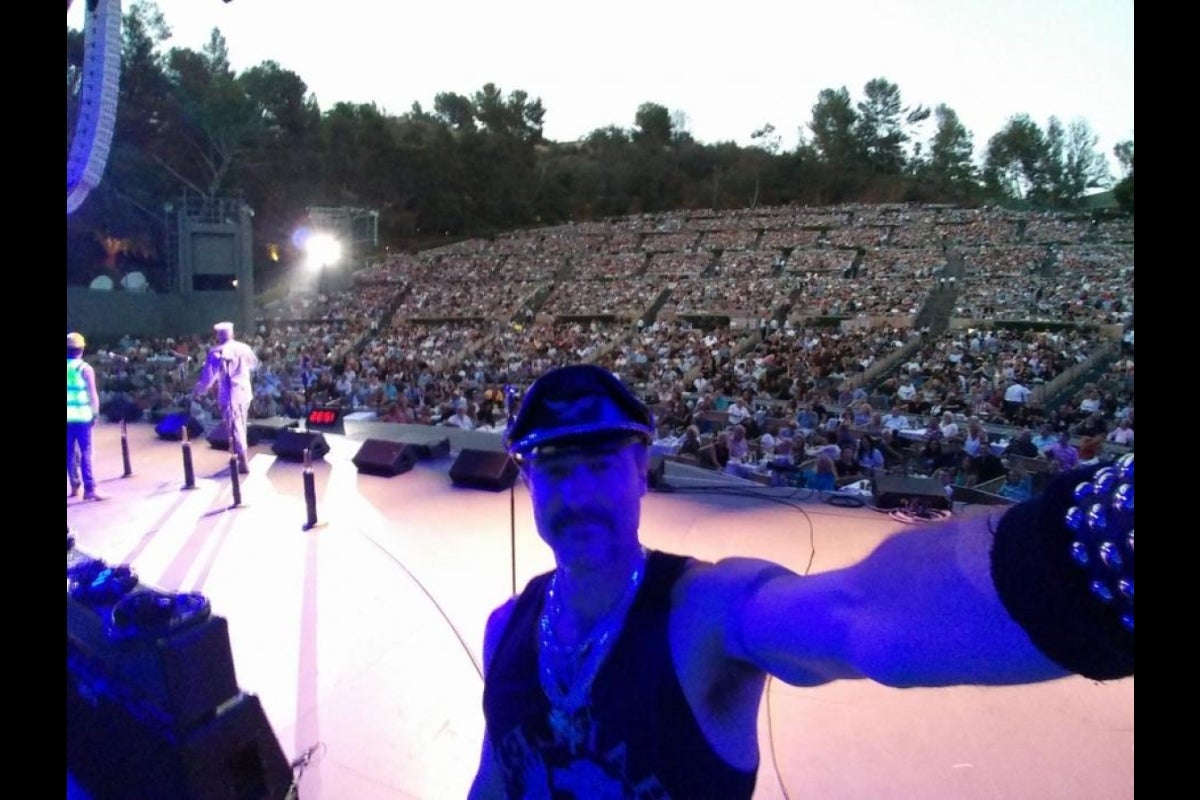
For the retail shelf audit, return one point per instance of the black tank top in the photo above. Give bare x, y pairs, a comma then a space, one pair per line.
644, 740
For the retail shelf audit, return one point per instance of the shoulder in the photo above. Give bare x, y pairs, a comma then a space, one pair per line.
706, 588
497, 623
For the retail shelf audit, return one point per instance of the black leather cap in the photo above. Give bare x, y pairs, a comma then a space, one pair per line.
577, 404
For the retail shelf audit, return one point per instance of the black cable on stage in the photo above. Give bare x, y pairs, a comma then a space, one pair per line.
425, 590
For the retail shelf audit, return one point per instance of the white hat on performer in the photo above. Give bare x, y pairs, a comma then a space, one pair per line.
223, 327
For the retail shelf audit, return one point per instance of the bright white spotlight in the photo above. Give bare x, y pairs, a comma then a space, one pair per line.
323, 251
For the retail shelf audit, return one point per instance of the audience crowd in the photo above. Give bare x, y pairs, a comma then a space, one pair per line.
781, 335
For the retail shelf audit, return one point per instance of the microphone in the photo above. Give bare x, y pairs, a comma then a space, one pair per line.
115, 356
510, 396
180, 356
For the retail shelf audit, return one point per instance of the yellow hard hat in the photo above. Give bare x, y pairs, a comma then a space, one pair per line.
76, 340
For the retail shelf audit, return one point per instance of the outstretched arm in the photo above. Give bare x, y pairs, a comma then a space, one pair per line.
951, 603
208, 374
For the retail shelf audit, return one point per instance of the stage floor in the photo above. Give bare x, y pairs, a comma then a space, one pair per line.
362, 636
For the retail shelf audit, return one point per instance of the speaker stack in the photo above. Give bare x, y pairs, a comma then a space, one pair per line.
153, 706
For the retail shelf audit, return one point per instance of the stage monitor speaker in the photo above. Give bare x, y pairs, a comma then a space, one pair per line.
483, 469
115, 753
290, 444
171, 427
385, 458
269, 427
218, 437
429, 449
899, 491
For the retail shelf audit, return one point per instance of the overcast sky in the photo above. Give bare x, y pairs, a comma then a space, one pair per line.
731, 68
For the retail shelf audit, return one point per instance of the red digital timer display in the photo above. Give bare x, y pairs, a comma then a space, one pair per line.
323, 416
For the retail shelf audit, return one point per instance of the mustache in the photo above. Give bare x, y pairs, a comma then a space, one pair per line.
565, 520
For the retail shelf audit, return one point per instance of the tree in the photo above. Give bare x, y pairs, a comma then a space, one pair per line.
883, 125
652, 125
516, 116
769, 142
1083, 167
279, 163
1123, 191
1016, 156
456, 111
833, 124
1124, 153
949, 166
212, 120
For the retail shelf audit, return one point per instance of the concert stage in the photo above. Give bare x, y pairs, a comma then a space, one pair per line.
361, 635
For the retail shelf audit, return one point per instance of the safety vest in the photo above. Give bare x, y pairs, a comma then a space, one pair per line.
79, 404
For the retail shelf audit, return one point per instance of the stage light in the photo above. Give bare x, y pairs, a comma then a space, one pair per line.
323, 251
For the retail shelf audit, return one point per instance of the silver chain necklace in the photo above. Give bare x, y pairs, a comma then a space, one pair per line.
567, 672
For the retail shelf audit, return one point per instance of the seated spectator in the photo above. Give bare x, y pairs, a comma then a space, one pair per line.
766, 445
807, 420
894, 419
739, 445
907, 391
1122, 434
987, 467
975, 442
1065, 453
967, 473
460, 418
894, 450
715, 455
954, 453
1045, 438
823, 477
786, 445
847, 467
948, 426
870, 457
1092, 425
690, 445
738, 411
932, 457
1017, 486
823, 444
862, 415
393, 413
874, 425
1022, 445
674, 417
1089, 450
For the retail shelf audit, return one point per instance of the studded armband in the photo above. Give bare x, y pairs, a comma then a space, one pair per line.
1063, 566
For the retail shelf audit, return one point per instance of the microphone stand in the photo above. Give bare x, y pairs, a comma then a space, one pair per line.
509, 395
